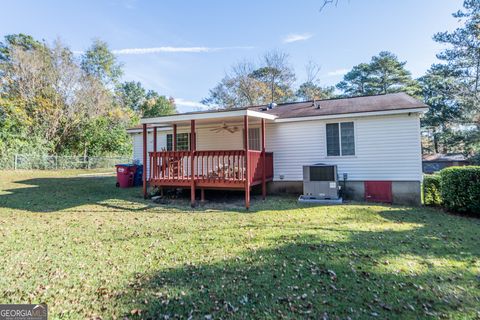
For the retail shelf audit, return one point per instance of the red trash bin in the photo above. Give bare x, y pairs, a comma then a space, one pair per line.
125, 175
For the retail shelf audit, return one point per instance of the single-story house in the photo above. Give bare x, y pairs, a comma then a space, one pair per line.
435, 162
373, 140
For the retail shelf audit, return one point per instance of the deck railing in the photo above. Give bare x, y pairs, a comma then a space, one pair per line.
210, 167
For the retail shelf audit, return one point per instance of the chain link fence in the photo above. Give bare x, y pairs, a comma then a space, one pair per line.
46, 162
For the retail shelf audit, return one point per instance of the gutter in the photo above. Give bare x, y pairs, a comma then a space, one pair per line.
353, 115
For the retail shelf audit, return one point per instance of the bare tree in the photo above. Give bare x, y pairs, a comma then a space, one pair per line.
328, 2
55, 91
247, 83
312, 70
24, 76
247, 87
277, 72
311, 89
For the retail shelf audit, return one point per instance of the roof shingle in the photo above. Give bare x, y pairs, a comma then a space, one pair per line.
386, 102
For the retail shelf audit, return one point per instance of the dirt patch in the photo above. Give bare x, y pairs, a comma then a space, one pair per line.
214, 199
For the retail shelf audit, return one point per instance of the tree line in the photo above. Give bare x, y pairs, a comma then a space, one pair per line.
450, 88
53, 101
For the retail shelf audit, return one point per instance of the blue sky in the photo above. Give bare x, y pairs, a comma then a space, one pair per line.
183, 48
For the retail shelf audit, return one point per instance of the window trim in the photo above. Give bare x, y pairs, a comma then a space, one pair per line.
340, 139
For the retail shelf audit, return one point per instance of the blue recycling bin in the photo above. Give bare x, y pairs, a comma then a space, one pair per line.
138, 177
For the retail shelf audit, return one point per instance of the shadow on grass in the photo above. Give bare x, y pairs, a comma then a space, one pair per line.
53, 194
421, 272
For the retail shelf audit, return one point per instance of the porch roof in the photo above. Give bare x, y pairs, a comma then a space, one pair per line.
206, 117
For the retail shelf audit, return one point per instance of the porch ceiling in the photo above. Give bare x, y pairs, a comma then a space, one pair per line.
207, 117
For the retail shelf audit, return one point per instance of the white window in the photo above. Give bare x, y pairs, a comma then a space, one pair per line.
182, 142
340, 139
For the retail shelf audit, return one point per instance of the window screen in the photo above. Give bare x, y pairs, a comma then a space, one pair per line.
348, 139
182, 142
254, 139
326, 173
333, 143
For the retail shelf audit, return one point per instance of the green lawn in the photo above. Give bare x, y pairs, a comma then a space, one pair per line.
88, 250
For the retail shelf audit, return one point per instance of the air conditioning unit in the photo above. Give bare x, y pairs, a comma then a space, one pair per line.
320, 182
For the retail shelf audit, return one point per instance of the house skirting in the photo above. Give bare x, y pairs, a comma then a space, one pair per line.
403, 192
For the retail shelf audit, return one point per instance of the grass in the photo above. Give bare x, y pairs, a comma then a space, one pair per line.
90, 250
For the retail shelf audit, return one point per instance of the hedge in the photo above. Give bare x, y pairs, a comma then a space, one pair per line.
460, 189
431, 190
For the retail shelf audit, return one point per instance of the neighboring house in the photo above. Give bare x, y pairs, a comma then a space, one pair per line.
374, 140
436, 162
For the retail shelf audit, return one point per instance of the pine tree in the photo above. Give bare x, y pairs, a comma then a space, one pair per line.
383, 74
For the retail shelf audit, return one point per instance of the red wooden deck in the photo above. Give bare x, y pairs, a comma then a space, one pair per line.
225, 169
216, 169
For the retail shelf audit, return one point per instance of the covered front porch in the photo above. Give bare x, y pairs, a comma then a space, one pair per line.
208, 150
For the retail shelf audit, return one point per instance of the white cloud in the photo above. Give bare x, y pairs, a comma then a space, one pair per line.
293, 37
136, 51
184, 105
175, 50
338, 72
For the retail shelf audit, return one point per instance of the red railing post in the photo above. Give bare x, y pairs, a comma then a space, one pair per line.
153, 163
247, 162
264, 168
164, 164
192, 166
144, 127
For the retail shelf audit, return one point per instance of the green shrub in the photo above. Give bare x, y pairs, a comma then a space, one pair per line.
431, 190
460, 189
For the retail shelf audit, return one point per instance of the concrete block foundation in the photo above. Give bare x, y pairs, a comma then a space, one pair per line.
407, 192
403, 192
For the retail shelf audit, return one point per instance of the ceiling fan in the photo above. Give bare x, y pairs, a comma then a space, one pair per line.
225, 127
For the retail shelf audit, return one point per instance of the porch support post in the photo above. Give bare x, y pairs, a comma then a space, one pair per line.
264, 162
154, 139
144, 126
192, 163
154, 158
174, 138
247, 162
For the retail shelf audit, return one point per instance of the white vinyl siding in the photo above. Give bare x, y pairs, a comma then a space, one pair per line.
138, 145
386, 148
223, 140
